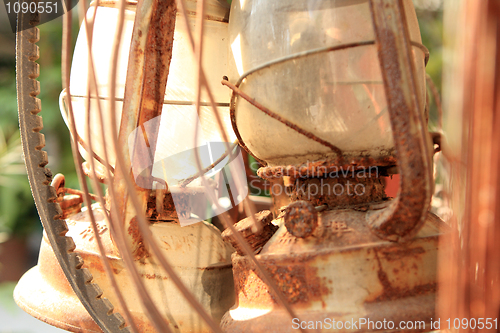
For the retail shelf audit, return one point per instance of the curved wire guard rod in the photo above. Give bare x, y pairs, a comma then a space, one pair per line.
281, 119
74, 144
142, 223
197, 49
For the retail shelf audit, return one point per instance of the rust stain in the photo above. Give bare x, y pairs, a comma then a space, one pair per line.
322, 168
168, 211
338, 192
154, 277
140, 251
94, 264
399, 253
391, 293
298, 281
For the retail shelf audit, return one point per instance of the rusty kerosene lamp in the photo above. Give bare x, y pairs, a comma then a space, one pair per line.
195, 251
330, 95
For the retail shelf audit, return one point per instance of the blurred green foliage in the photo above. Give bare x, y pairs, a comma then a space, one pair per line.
18, 214
431, 29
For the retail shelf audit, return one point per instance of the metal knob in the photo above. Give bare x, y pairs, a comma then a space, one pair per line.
301, 219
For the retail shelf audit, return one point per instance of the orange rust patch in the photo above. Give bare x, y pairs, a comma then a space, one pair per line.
298, 281
401, 252
140, 251
391, 293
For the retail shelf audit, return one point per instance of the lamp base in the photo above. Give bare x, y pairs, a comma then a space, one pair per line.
342, 273
45, 293
58, 307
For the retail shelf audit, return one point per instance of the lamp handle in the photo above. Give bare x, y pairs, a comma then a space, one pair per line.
406, 214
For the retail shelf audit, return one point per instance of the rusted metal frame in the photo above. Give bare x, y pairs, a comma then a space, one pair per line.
282, 120
147, 72
147, 63
247, 203
423, 49
406, 214
125, 185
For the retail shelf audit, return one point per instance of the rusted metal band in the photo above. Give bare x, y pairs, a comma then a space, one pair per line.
148, 68
340, 191
406, 214
321, 168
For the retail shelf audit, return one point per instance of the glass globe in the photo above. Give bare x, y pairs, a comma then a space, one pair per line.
336, 95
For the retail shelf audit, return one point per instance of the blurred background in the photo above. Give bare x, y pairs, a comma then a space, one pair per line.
20, 229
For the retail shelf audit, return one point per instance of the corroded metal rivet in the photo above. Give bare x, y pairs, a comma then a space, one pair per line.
301, 218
